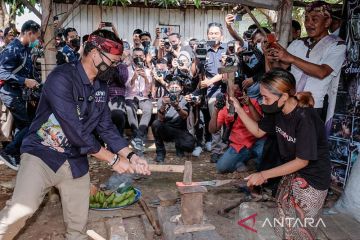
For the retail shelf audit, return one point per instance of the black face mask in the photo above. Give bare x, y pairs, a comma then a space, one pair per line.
75, 43
175, 46
273, 108
109, 75
102, 68
146, 44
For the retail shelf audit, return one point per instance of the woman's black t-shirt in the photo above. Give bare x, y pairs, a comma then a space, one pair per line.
301, 134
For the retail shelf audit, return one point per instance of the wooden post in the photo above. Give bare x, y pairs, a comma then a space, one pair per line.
49, 36
283, 25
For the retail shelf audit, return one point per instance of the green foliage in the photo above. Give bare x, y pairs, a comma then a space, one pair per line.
110, 3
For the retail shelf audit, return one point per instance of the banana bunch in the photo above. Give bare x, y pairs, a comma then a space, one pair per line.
101, 200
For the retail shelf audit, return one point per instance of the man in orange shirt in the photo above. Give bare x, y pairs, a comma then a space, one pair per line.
243, 145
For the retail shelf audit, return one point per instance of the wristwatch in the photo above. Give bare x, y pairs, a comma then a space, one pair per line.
129, 156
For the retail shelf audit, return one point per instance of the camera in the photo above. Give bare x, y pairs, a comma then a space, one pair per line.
202, 48
231, 59
248, 34
31, 94
159, 73
167, 44
139, 62
180, 63
195, 98
107, 24
173, 97
220, 101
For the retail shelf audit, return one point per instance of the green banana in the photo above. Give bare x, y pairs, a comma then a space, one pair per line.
97, 195
92, 198
95, 205
110, 198
102, 198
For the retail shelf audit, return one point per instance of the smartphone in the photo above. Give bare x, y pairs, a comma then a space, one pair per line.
238, 17
271, 39
107, 24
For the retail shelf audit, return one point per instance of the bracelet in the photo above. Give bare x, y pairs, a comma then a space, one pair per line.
114, 160
129, 156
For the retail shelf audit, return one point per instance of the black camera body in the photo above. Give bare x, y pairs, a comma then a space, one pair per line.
195, 98
220, 101
180, 63
31, 94
167, 44
159, 73
173, 97
202, 49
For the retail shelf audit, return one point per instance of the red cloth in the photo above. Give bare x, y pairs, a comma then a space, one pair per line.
106, 45
239, 137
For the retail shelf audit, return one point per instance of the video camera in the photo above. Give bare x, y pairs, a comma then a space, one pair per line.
202, 49
31, 94
231, 59
167, 43
139, 62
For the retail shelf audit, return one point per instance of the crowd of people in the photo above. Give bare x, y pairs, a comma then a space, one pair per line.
270, 107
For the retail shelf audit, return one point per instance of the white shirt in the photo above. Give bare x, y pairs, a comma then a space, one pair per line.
140, 90
330, 50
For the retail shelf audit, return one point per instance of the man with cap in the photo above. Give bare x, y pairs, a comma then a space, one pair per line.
316, 60
69, 53
54, 153
9, 35
336, 22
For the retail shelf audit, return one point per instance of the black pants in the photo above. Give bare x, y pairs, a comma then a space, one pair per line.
118, 112
165, 131
18, 108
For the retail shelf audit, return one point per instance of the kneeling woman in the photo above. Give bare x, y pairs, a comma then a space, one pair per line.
304, 153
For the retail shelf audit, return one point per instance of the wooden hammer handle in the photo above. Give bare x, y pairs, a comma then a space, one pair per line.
166, 168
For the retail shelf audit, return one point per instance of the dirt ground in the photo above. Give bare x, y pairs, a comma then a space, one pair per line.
47, 223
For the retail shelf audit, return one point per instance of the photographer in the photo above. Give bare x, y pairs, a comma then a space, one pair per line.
16, 70
149, 50
138, 90
69, 52
161, 76
213, 80
243, 145
136, 39
171, 123
9, 36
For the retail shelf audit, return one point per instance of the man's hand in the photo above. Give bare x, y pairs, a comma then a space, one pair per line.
247, 83
31, 83
161, 44
157, 32
174, 63
229, 19
123, 166
140, 72
166, 100
140, 165
280, 54
205, 83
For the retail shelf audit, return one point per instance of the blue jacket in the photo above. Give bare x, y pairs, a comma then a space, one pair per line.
68, 55
11, 58
69, 111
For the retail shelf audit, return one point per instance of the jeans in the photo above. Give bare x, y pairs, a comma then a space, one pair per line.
17, 106
232, 160
254, 92
139, 130
164, 131
118, 113
216, 144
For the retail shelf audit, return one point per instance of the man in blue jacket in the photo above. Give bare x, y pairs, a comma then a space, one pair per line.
17, 73
54, 153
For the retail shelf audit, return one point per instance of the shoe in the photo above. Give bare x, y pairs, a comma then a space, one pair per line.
242, 168
208, 146
8, 160
197, 151
137, 144
160, 158
215, 157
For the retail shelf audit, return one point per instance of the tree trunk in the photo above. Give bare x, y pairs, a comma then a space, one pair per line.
48, 37
4, 16
283, 25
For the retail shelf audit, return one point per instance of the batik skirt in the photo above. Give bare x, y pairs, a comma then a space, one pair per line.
298, 208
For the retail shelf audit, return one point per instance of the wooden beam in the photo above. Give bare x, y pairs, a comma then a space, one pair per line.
283, 25
269, 4
32, 8
67, 14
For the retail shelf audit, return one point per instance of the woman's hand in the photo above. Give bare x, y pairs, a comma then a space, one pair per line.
255, 179
236, 103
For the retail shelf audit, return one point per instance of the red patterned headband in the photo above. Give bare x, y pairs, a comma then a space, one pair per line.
319, 6
106, 45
